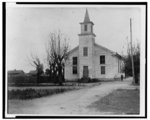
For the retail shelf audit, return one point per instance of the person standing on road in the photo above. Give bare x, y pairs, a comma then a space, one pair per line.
121, 77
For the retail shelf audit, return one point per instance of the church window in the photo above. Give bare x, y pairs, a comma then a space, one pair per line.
85, 27
102, 69
102, 59
74, 67
74, 60
85, 51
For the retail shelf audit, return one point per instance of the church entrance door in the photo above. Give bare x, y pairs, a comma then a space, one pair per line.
85, 71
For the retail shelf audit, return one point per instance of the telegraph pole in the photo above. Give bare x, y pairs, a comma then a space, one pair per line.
132, 61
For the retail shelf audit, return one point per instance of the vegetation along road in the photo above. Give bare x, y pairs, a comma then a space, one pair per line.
77, 102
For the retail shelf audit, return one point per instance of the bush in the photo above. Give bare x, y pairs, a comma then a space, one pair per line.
128, 64
87, 80
94, 80
28, 80
84, 80
137, 79
16, 80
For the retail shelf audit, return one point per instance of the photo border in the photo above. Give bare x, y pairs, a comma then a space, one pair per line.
66, 3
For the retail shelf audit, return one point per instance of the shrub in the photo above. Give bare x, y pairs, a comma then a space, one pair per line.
94, 80
88, 80
16, 80
84, 80
128, 64
28, 80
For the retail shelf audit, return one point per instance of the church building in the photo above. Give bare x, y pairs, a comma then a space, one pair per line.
89, 59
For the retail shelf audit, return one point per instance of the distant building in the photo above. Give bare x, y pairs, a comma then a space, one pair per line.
16, 73
32, 73
90, 59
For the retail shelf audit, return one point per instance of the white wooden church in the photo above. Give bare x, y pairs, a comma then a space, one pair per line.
90, 59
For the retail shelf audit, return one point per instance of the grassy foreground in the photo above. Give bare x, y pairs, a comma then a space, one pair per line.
41, 91
35, 93
120, 101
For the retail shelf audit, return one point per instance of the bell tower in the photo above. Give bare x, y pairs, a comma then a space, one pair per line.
86, 47
87, 26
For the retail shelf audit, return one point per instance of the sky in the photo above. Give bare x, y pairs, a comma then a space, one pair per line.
28, 28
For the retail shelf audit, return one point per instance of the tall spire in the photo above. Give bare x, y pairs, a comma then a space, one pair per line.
86, 18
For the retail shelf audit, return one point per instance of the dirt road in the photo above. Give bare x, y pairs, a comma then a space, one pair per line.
73, 102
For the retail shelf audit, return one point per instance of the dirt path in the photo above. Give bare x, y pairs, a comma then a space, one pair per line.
73, 102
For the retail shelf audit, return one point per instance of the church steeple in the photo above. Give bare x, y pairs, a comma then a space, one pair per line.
87, 25
86, 46
86, 18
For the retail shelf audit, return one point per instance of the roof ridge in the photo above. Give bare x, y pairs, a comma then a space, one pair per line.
104, 48
73, 49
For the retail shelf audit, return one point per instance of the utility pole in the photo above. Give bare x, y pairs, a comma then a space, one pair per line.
132, 61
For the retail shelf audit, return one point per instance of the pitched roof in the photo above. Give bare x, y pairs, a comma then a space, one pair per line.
112, 52
73, 49
86, 18
106, 49
15, 71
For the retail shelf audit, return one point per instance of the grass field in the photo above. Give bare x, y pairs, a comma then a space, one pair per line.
120, 101
41, 91
35, 93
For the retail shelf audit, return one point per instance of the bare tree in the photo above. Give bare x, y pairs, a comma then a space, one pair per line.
36, 63
56, 55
